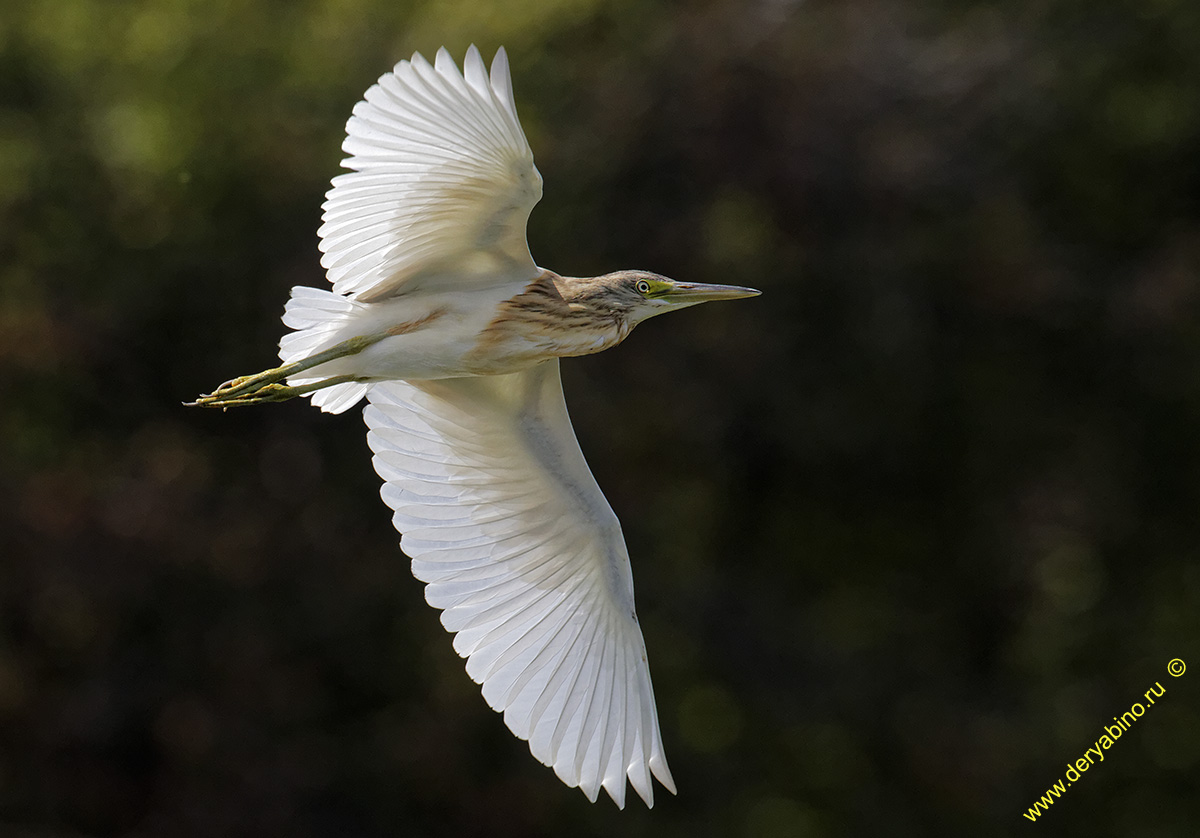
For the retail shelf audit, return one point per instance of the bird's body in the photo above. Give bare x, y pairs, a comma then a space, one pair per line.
441, 319
503, 327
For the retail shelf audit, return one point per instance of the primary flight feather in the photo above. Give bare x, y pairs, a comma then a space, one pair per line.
441, 319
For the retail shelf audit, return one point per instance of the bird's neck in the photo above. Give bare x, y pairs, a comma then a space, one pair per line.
552, 317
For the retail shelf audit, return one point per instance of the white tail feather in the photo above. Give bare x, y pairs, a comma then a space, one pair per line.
317, 317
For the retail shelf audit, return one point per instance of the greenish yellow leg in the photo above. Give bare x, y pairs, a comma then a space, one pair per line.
273, 392
267, 386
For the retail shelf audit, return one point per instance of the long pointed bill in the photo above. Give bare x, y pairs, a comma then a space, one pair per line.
699, 292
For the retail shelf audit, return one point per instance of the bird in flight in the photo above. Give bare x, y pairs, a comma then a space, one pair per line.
441, 319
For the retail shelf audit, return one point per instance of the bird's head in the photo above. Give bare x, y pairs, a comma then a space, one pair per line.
638, 295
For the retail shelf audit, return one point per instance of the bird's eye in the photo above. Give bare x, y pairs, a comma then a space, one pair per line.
643, 286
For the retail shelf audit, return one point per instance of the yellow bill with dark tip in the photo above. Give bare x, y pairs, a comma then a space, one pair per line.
699, 292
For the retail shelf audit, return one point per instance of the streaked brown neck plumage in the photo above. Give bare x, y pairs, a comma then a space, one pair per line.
560, 316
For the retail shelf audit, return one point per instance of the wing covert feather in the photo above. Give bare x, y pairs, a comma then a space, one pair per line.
517, 545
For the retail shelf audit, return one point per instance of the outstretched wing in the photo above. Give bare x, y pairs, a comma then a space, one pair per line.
506, 525
443, 180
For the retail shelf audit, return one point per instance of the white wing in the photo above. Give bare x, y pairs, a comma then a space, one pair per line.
506, 524
443, 180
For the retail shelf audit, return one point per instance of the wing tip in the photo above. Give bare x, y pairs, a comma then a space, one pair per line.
501, 79
615, 787
638, 775
444, 62
658, 765
500, 74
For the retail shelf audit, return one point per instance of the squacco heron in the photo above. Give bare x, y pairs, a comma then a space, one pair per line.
441, 319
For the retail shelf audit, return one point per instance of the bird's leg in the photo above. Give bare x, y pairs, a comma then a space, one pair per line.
274, 392
269, 386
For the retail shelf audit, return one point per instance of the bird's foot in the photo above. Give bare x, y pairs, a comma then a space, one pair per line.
270, 385
262, 388
258, 387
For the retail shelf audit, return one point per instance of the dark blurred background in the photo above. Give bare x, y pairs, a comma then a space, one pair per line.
908, 530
